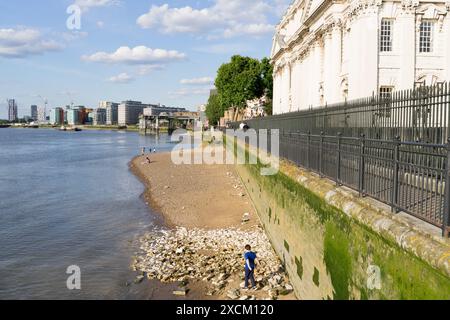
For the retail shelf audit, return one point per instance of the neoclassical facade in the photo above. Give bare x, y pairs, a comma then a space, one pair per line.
326, 51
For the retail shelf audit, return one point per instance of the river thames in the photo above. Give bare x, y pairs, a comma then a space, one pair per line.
68, 198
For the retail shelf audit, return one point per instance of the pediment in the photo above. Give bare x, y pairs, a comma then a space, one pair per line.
278, 43
431, 11
311, 7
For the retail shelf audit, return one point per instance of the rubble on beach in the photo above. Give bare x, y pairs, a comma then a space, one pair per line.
213, 256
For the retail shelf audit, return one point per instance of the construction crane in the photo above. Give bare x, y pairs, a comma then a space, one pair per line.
45, 100
71, 99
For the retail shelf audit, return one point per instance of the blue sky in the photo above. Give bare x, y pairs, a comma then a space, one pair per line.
154, 51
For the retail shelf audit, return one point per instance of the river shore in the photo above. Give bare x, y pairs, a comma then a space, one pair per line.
208, 219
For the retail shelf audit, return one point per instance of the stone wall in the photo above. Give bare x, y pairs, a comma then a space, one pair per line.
333, 243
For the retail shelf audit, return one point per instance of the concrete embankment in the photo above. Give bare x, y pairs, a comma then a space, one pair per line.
209, 219
336, 245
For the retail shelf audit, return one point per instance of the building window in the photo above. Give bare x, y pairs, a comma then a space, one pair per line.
386, 93
384, 106
386, 35
426, 37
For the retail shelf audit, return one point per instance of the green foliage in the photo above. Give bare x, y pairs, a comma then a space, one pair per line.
267, 77
337, 259
214, 109
299, 263
241, 79
316, 277
268, 107
238, 81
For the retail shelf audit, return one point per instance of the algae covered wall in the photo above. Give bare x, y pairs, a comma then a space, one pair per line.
330, 255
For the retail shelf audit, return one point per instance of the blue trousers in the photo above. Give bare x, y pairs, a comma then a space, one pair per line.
250, 276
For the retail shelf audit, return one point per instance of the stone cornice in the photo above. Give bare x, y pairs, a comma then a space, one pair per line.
298, 36
359, 7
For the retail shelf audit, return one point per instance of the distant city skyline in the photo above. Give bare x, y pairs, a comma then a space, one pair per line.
152, 51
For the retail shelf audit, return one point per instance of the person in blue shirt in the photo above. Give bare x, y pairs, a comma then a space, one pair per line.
249, 258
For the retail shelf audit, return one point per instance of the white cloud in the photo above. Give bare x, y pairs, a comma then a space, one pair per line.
121, 78
225, 18
185, 92
137, 55
177, 20
145, 70
198, 81
255, 30
87, 4
225, 48
22, 42
100, 24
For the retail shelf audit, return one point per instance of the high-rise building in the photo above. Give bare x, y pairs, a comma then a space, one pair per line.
34, 112
12, 110
82, 114
42, 115
57, 116
129, 111
73, 117
99, 117
111, 111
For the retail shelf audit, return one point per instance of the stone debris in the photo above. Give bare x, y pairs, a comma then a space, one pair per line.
234, 294
139, 279
246, 217
214, 256
180, 292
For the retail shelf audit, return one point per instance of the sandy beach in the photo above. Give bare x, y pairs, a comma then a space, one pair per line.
205, 200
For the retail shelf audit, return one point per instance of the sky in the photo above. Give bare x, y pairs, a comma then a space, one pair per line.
86, 51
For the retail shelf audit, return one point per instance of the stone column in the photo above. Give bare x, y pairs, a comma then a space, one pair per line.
276, 94
328, 67
364, 54
405, 46
446, 30
336, 65
315, 74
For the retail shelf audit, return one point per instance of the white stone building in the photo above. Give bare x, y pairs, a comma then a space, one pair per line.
326, 51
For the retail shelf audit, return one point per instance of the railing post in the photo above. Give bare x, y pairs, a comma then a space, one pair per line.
446, 222
321, 155
362, 164
395, 186
308, 150
338, 162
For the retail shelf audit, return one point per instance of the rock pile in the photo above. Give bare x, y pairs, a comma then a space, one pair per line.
213, 256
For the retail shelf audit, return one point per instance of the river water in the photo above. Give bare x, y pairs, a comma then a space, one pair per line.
68, 198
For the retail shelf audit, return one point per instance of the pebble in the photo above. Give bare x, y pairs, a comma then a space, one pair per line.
214, 256
180, 292
234, 294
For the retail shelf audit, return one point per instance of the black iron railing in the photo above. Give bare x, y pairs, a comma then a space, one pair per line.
396, 151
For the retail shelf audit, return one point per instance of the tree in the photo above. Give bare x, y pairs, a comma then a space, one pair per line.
238, 81
267, 78
214, 109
